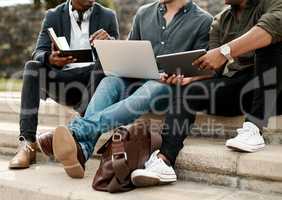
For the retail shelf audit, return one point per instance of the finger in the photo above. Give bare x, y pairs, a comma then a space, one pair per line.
169, 80
53, 46
204, 65
180, 80
55, 54
177, 80
62, 59
208, 67
174, 81
186, 81
106, 37
162, 78
97, 33
198, 61
66, 62
102, 36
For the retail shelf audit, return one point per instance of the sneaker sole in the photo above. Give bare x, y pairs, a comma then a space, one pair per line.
141, 180
65, 151
238, 146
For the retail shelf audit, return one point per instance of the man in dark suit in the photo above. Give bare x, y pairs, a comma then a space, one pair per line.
81, 22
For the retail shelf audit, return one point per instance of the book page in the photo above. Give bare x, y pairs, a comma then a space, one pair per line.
54, 38
63, 43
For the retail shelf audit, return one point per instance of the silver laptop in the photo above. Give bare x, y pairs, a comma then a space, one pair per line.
129, 59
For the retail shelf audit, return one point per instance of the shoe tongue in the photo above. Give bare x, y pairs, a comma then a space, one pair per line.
251, 126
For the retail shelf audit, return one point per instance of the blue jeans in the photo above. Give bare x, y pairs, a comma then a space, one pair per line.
112, 106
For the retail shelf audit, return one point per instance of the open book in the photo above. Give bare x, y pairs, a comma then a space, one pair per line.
82, 55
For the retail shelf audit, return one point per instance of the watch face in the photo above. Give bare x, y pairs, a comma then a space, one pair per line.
225, 50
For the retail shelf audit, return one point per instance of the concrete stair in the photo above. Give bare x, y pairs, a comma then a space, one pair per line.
51, 115
47, 180
209, 161
204, 158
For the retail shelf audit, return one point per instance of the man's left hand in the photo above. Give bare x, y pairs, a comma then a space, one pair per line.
213, 60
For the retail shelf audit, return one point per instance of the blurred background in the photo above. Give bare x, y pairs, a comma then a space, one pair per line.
20, 22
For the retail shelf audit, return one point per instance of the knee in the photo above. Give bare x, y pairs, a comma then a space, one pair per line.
32, 68
32, 65
156, 88
112, 82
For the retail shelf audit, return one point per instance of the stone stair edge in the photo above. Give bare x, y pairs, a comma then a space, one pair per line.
219, 160
210, 156
57, 186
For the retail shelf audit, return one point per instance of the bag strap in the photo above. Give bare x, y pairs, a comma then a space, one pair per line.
156, 138
119, 156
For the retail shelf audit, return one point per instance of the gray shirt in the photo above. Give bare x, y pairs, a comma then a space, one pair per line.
187, 31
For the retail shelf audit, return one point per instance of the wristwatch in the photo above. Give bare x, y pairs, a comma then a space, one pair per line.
225, 50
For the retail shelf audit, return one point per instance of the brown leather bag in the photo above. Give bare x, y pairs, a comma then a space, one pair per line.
128, 149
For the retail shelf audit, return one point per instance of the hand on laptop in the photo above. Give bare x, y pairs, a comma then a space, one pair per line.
56, 59
180, 79
99, 35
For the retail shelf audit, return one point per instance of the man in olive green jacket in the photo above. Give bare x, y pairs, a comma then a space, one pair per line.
250, 34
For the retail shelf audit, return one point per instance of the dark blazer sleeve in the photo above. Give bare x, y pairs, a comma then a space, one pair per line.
114, 26
43, 45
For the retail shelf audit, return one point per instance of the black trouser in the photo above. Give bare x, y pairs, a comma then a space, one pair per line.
268, 85
232, 96
218, 96
71, 87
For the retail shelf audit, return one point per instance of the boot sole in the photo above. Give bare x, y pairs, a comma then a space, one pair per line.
17, 167
65, 151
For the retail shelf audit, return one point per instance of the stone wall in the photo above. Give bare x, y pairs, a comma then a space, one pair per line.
19, 27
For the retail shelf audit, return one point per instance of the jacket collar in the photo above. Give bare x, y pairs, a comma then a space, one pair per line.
94, 20
186, 8
249, 4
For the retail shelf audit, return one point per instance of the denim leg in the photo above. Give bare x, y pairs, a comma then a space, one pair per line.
88, 129
110, 90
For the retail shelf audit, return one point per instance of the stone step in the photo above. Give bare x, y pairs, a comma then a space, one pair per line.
50, 113
53, 114
209, 161
48, 180
9, 132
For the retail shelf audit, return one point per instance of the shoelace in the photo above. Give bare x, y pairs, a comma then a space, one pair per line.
245, 132
155, 165
23, 143
152, 159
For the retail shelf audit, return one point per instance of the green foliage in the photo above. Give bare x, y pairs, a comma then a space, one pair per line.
53, 3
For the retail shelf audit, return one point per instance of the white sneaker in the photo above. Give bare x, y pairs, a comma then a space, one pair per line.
156, 172
248, 139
